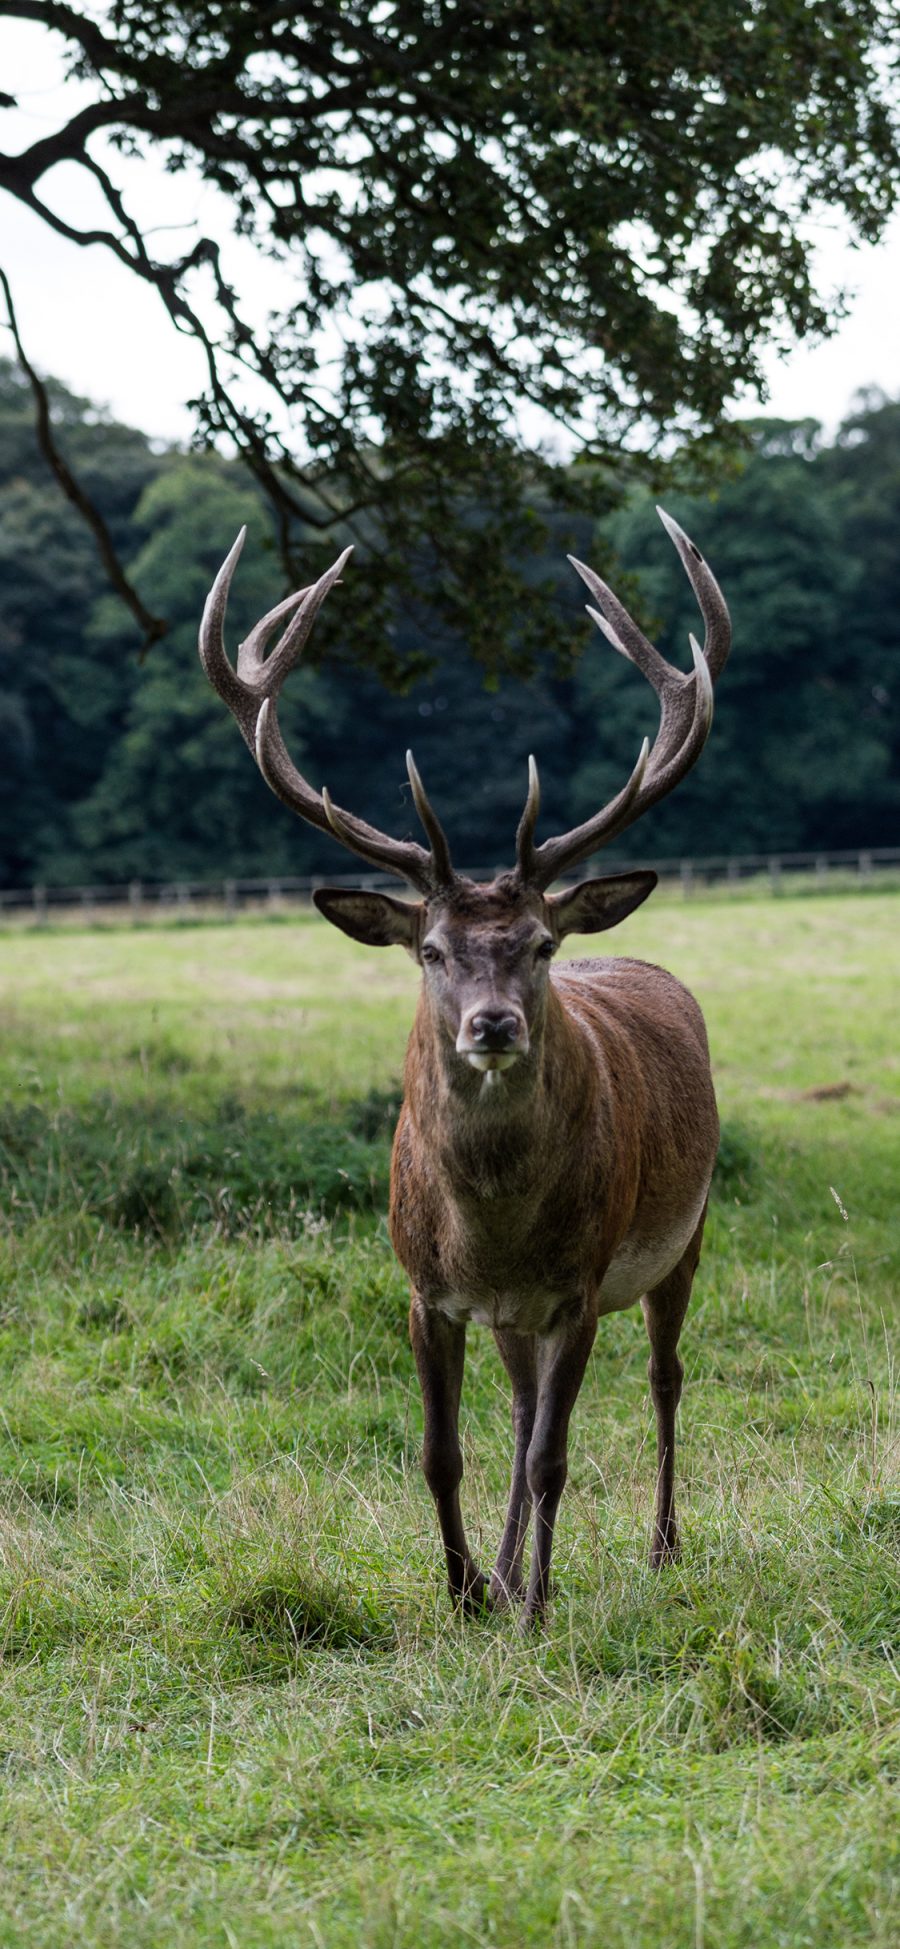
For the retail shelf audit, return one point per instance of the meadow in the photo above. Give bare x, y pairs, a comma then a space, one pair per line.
235, 1706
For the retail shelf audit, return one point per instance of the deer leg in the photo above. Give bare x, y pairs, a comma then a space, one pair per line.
439, 1346
562, 1359
518, 1354
664, 1309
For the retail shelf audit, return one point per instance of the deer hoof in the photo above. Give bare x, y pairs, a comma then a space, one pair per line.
532, 1619
475, 1598
666, 1549
505, 1592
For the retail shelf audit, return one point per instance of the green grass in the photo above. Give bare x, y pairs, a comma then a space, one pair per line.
236, 1708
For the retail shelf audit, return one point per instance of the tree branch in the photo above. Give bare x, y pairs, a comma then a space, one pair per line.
153, 626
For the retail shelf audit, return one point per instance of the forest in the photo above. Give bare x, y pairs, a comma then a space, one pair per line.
119, 765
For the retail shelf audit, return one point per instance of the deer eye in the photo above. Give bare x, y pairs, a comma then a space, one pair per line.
432, 954
546, 950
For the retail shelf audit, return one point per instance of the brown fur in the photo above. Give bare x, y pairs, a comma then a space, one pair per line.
611, 1132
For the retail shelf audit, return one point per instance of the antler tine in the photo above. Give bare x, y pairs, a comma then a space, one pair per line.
710, 599
250, 652
527, 823
251, 692
213, 655
556, 855
437, 838
620, 629
244, 688
686, 709
269, 674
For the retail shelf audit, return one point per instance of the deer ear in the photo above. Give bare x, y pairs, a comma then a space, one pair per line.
374, 918
596, 904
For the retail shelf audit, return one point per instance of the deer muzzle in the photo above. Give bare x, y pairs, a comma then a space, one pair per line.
492, 1038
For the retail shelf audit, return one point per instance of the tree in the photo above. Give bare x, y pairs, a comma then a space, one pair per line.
176, 795
112, 769
863, 467
590, 214
800, 754
59, 710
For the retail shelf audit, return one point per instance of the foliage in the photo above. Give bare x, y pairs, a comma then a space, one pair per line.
584, 219
114, 769
235, 1707
59, 707
805, 750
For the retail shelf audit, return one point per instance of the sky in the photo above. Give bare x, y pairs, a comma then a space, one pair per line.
86, 319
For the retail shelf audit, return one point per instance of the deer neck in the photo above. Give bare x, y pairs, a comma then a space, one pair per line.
498, 1131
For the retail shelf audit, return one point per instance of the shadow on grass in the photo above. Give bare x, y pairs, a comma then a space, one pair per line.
156, 1170
738, 1162
279, 1617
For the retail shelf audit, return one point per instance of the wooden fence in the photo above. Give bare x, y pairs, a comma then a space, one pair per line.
139, 899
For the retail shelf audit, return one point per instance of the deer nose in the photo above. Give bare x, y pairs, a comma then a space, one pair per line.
494, 1028
493, 1031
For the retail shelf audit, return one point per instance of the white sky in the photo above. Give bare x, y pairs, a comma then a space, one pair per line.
89, 321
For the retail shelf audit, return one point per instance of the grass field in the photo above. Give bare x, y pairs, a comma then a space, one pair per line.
236, 1708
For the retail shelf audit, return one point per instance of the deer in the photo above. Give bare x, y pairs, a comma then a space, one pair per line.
555, 1146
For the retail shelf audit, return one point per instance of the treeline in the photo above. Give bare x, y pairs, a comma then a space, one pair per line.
113, 768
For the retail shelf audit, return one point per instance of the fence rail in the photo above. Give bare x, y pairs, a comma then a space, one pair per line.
141, 898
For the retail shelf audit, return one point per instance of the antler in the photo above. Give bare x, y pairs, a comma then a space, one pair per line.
251, 693
686, 711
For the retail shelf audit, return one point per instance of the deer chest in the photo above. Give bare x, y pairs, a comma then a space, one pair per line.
501, 1272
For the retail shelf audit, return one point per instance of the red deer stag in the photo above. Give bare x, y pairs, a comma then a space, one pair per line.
554, 1151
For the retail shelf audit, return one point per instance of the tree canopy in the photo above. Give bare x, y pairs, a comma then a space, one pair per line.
509, 223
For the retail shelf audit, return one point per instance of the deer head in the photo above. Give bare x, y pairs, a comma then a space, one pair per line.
484, 950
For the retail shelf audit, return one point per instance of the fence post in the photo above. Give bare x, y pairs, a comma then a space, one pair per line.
39, 902
230, 899
134, 899
687, 877
865, 865
775, 874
